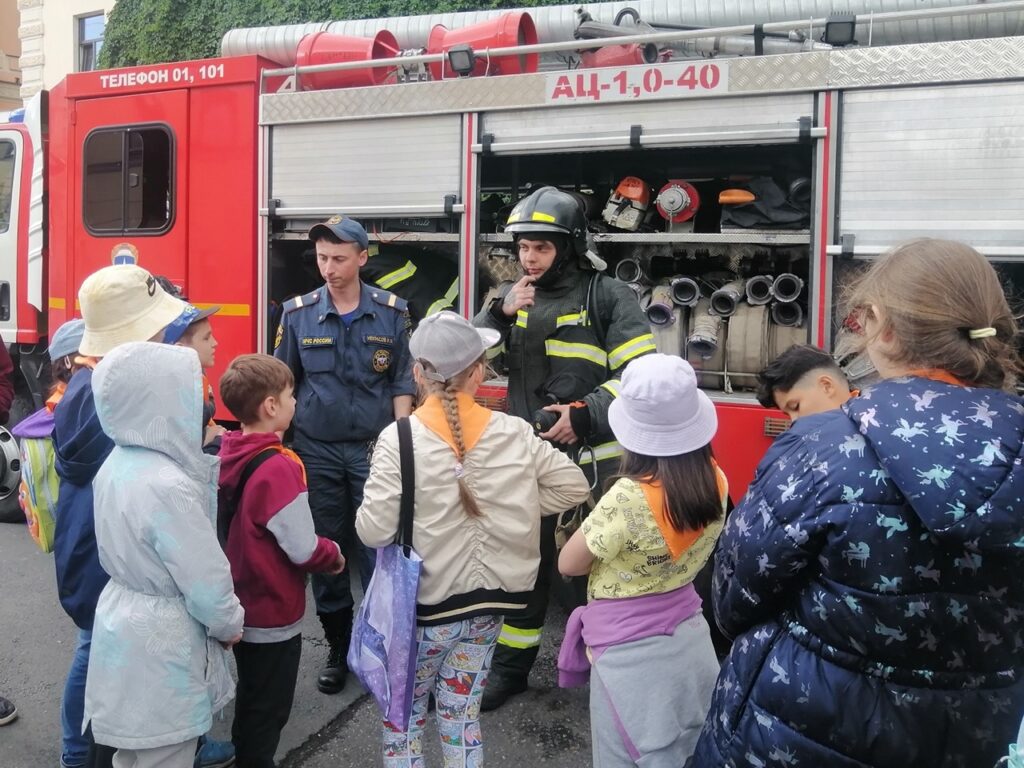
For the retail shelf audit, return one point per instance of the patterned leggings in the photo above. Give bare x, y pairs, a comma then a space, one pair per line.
453, 661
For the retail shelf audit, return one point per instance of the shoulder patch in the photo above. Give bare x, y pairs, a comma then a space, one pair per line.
297, 302
388, 299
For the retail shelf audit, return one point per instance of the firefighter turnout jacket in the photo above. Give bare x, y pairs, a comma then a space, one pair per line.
428, 281
571, 346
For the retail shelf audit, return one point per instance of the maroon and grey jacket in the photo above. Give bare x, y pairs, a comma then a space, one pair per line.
271, 543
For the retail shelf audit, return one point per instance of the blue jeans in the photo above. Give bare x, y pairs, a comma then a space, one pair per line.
75, 748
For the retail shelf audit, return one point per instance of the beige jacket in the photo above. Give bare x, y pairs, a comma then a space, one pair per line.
472, 566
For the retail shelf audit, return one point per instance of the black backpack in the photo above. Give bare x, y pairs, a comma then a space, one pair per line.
227, 503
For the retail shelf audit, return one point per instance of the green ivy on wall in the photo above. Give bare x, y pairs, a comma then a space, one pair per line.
151, 31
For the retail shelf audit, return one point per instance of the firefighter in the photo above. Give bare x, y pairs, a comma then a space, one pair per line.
347, 344
427, 280
569, 331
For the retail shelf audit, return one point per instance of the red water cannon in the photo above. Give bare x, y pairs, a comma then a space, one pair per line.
506, 31
325, 48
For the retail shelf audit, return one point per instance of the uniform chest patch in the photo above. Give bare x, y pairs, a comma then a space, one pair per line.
317, 341
381, 360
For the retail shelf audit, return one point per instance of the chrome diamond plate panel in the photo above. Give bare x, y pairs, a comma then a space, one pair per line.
990, 59
791, 72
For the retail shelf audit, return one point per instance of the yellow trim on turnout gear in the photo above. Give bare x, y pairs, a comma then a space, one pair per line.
573, 319
612, 385
394, 278
577, 350
514, 637
447, 300
601, 452
635, 347
521, 317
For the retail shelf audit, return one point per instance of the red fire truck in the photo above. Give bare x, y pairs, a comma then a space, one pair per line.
210, 172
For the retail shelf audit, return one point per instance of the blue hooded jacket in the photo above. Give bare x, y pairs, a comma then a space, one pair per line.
81, 446
872, 578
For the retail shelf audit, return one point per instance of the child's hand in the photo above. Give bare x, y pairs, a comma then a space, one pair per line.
213, 431
227, 645
339, 565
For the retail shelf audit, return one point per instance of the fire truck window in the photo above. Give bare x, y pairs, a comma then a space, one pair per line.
128, 180
6, 183
103, 201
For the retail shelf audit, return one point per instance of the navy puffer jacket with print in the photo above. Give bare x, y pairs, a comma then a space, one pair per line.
872, 578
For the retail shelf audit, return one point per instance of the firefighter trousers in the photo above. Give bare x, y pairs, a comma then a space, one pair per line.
519, 641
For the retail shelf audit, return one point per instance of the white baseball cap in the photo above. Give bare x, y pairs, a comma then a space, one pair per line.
123, 303
660, 411
450, 343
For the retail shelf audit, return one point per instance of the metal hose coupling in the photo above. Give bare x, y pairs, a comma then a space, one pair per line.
630, 270
787, 287
703, 340
661, 311
788, 313
726, 299
685, 291
760, 289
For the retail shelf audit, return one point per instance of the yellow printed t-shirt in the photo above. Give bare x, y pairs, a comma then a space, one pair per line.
632, 557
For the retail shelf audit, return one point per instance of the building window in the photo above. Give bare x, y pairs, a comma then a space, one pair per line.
128, 180
90, 40
7, 168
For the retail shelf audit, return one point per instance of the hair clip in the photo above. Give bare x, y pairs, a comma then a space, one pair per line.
981, 333
458, 470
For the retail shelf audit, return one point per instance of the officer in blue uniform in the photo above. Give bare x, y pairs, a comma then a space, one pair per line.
347, 344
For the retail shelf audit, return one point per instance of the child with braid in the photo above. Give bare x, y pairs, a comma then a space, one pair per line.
483, 481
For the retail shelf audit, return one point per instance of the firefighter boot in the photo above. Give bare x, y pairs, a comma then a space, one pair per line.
338, 632
509, 672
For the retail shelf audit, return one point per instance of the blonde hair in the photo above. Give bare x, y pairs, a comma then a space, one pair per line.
931, 294
447, 391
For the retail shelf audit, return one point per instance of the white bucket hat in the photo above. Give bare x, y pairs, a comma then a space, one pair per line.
659, 410
123, 303
450, 343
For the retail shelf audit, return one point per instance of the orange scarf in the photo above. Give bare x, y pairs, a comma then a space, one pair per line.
937, 374
678, 541
291, 455
473, 417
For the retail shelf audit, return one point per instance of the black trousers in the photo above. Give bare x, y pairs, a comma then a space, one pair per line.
266, 687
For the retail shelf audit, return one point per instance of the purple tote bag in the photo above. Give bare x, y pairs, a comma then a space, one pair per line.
383, 650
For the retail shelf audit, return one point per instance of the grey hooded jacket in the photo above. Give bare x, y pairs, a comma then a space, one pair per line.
156, 671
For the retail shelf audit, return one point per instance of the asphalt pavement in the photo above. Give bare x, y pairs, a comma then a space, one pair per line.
545, 726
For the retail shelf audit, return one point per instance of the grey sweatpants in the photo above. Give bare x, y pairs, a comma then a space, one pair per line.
172, 756
657, 692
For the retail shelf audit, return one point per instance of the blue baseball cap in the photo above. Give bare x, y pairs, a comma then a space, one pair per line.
345, 229
178, 326
66, 339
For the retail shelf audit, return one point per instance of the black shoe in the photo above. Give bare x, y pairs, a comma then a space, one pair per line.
8, 712
334, 674
498, 691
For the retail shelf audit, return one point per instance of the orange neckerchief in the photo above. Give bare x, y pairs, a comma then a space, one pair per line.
678, 541
474, 419
56, 396
291, 455
937, 374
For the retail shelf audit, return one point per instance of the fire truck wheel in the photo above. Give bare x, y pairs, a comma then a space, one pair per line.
10, 508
